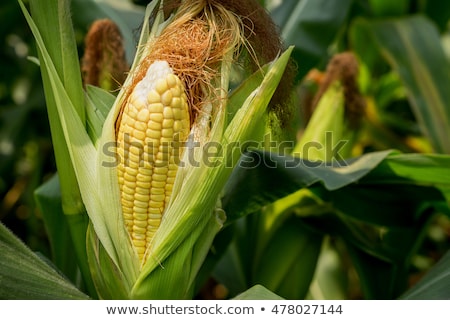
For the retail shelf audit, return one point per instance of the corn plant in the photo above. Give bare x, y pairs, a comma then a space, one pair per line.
147, 211
126, 245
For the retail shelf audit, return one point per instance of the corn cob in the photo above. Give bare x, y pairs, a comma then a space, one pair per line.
152, 128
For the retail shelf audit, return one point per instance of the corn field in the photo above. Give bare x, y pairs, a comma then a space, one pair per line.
206, 149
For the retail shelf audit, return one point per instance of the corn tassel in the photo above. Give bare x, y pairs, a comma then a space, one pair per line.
151, 130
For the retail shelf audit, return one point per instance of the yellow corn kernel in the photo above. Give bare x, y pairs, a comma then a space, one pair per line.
155, 115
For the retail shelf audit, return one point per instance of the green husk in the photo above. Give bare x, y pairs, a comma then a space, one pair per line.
326, 128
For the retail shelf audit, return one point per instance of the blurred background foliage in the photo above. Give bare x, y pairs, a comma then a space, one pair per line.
319, 29
26, 156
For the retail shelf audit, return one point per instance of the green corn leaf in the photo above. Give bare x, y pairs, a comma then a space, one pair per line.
23, 275
109, 280
379, 279
273, 248
413, 47
311, 26
379, 249
428, 170
233, 268
240, 94
218, 248
288, 273
273, 177
78, 225
253, 186
66, 233
98, 105
408, 198
58, 37
257, 292
80, 142
48, 200
434, 285
330, 278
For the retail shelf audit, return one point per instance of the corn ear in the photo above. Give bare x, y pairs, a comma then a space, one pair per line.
333, 127
153, 126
